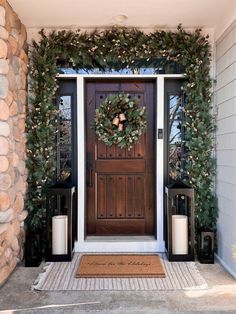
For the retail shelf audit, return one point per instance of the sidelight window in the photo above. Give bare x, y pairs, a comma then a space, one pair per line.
176, 146
64, 139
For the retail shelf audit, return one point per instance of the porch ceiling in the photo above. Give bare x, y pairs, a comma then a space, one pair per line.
141, 13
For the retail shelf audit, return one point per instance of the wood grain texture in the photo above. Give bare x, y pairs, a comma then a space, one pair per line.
120, 183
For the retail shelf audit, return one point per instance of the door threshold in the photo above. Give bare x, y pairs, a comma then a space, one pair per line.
118, 244
120, 238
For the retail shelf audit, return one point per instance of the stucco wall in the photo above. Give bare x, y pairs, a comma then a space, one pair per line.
13, 73
225, 99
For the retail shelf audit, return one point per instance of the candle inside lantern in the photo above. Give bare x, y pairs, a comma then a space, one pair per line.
179, 234
59, 234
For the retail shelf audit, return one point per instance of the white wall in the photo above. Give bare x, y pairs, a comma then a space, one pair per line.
225, 100
226, 20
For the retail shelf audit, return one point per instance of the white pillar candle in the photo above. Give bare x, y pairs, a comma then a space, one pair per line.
59, 234
179, 234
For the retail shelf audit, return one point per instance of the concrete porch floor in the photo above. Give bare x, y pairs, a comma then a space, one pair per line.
17, 297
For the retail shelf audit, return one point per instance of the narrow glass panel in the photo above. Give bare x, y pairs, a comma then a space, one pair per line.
176, 134
64, 139
155, 66
65, 107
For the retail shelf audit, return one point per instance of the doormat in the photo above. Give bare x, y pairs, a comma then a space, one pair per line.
109, 266
60, 276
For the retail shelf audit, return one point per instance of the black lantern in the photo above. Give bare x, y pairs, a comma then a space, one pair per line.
60, 223
206, 246
180, 222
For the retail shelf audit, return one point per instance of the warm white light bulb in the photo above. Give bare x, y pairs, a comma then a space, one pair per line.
120, 18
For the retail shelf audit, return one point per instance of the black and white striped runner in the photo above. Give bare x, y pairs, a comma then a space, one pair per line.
61, 276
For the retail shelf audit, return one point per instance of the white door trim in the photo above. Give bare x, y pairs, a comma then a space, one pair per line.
135, 244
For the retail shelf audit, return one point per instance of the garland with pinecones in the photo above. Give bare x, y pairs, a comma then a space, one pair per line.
120, 121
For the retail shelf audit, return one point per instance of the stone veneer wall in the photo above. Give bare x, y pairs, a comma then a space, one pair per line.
13, 95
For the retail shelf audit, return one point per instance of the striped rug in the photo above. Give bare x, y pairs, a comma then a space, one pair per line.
61, 276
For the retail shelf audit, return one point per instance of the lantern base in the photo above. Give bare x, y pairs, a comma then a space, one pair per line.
59, 257
203, 259
180, 257
31, 262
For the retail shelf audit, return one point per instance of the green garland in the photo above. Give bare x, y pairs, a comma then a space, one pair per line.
118, 48
119, 120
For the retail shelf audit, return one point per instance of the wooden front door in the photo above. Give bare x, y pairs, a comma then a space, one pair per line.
120, 183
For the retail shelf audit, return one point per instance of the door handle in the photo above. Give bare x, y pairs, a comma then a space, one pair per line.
90, 183
89, 170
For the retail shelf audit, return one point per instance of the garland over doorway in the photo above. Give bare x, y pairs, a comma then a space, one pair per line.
120, 48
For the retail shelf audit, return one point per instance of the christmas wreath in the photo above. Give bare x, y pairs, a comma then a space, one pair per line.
120, 120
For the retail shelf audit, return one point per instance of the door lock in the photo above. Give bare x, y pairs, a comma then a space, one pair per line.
160, 134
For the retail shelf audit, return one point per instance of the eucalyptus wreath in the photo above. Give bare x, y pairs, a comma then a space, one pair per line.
120, 120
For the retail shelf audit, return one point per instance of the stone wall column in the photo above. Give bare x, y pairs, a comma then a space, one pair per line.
13, 78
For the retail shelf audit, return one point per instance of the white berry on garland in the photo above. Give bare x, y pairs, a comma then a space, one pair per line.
120, 121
